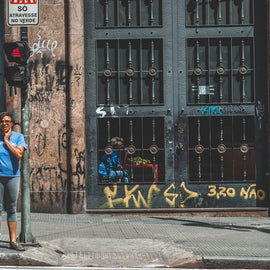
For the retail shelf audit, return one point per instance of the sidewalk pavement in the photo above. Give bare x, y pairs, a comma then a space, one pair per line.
149, 241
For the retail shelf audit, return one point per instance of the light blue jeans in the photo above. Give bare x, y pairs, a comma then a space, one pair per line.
116, 175
9, 186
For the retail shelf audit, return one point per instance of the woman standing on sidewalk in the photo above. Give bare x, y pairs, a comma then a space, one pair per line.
12, 146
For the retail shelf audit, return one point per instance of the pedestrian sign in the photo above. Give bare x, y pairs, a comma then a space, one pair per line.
23, 12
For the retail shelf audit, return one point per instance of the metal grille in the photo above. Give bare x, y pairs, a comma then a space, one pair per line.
219, 12
221, 149
128, 13
220, 70
130, 72
144, 144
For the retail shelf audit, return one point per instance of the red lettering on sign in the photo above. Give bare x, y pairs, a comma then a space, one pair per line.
23, 2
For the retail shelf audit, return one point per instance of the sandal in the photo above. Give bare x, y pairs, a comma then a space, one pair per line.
16, 246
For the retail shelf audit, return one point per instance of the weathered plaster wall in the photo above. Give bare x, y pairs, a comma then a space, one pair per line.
76, 106
48, 113
56, 100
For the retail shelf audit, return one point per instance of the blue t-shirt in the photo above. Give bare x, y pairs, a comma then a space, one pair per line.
9, 164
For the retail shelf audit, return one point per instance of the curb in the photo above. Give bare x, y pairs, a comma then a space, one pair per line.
46, 256
43, 255
236, 262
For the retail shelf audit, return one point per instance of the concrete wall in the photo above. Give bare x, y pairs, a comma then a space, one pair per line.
56, 98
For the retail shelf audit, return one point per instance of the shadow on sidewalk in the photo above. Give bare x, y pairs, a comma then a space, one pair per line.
4, 246
216, 225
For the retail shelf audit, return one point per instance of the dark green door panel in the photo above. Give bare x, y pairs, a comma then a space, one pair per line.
181, 82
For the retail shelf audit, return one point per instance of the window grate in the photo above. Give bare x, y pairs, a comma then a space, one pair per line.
220, 70
130, 72
128, 13
219, 12
221, 149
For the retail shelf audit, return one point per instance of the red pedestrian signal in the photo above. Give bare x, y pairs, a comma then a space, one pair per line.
18, 52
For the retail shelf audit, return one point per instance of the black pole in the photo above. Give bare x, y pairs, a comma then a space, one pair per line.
26, 235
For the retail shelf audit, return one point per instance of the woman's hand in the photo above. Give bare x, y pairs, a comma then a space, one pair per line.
7, 135
16, 151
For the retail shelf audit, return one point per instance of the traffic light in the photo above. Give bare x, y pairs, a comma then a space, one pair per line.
18, 52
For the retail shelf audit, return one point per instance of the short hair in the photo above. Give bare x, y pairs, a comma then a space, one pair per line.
3, 114
115, 140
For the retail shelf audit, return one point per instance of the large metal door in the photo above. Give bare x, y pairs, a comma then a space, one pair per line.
130, 95
221, 117
178, 81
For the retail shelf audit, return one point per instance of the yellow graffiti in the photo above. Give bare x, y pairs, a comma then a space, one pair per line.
231, 192
170, 202
191, 194
244, 193
110, 195
248, 193
135, 196
140, 201
220, 192
261, 194
153, 189
251, 192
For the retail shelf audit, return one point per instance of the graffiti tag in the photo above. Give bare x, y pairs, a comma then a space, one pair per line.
42, 46
246, 194
211, 110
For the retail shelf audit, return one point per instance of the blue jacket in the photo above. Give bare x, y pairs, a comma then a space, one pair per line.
104, 166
